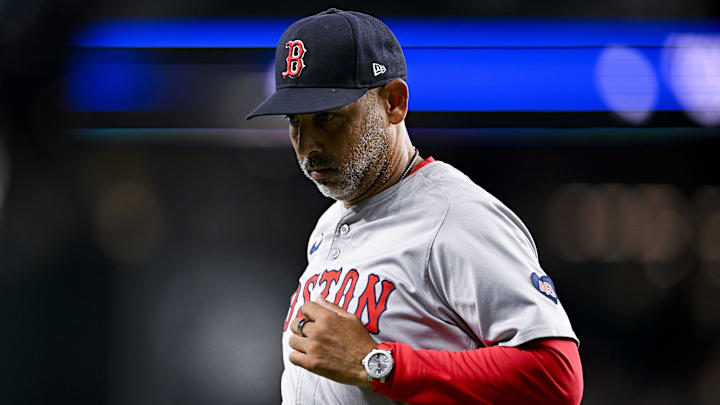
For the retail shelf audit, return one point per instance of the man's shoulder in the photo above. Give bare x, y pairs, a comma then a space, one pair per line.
470, 208
458, 189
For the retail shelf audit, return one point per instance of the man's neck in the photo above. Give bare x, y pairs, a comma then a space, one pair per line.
398, 165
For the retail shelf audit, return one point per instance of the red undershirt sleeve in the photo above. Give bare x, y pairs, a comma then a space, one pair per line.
538, 372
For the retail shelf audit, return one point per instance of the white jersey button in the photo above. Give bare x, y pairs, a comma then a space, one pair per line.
334, 253
345, 229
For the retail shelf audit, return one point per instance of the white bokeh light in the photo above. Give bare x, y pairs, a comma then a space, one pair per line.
627, 83
691, 68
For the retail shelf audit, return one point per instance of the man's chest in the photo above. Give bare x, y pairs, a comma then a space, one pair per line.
377, 271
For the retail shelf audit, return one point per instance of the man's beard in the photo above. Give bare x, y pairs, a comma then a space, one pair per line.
366, 163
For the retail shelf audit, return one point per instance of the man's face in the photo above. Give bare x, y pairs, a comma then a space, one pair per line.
344, 151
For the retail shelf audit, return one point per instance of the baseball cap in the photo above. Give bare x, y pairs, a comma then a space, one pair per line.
329, 60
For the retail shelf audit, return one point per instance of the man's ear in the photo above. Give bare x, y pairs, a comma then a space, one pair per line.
395, 96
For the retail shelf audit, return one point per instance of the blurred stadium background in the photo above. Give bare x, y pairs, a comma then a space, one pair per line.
150, 238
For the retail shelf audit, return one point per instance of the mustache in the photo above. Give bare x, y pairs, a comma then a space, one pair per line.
319, 161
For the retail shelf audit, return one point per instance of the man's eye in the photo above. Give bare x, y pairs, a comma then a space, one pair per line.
292, 119
325, 117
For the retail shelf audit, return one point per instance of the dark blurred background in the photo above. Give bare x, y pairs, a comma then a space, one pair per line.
147, 257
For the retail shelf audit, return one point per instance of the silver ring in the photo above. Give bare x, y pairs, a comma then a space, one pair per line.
300, 325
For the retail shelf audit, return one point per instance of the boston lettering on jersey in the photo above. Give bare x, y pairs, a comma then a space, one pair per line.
368, 302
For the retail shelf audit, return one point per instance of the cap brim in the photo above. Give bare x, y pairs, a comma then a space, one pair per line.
299, 100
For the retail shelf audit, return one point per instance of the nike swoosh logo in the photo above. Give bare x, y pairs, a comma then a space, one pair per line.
316, 245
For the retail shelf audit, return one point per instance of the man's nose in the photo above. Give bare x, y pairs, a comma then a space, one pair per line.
307, 141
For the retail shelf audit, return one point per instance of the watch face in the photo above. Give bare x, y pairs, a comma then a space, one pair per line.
379, 365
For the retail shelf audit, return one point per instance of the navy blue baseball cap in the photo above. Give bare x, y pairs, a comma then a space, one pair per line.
329, 60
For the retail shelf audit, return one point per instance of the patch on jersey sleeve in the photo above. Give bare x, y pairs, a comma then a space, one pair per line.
545, 286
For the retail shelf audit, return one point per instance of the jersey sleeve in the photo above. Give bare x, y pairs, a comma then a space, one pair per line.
484, 266
539, 372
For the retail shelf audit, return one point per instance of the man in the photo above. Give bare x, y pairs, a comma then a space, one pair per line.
420, 286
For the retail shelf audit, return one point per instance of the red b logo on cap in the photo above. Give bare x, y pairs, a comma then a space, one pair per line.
295, 62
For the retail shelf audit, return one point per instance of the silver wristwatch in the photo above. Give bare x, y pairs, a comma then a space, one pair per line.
378, 364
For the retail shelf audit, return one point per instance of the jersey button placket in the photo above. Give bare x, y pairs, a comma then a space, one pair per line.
340, 235
343, 230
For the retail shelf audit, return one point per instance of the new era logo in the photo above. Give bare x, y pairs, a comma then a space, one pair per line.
378, 69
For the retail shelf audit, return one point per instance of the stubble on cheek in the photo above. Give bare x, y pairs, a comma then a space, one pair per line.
370, 157
367, 161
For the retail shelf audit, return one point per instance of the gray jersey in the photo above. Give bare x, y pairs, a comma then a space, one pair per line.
435, 262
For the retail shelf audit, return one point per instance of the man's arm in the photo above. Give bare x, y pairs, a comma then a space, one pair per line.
538, 372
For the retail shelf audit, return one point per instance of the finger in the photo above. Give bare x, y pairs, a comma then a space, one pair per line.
297, 343
313, 310
300, 359
294, 325
330, 306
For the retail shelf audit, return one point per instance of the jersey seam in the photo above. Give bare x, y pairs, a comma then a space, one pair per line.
432, 241
471, 338
314, 395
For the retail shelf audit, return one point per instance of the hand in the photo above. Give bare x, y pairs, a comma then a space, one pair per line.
335, 344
